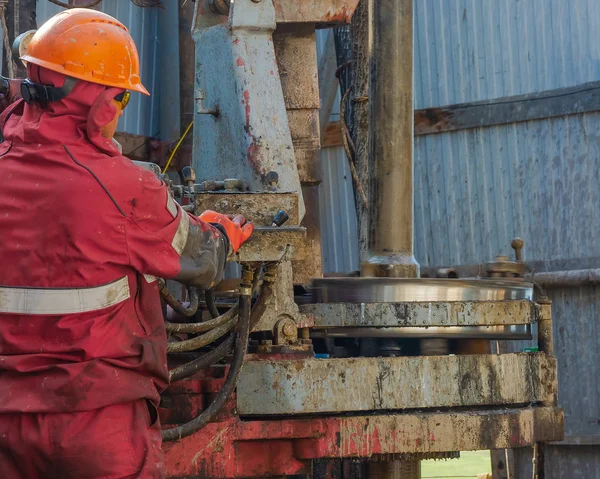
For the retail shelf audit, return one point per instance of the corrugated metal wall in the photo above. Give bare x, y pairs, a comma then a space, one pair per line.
337, 214
476, 189
336, 200
141, 116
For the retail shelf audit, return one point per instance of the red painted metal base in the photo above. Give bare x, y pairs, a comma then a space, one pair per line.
234, 447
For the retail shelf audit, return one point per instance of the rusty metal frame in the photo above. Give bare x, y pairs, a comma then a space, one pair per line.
287, 446
322, 12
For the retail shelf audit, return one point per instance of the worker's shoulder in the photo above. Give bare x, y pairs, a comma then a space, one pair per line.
124, 180
120, 172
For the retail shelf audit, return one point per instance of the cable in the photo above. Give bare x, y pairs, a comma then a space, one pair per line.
241, 344
66, 5
176, 148
201, 327
91, 172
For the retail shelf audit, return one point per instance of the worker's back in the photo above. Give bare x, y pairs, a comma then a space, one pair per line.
87, 330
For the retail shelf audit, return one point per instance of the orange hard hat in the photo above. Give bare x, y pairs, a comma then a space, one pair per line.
88, 45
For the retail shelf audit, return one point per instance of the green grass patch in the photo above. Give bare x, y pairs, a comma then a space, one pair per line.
467, 467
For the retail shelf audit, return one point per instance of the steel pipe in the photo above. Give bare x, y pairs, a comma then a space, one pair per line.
567, 279
391, 142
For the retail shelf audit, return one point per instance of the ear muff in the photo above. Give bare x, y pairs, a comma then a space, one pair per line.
43, 94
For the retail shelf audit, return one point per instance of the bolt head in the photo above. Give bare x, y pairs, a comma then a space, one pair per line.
288, 330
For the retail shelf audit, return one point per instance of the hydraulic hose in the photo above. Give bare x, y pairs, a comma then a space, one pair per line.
209, 297
202, 340
201, 327
241, 343
203, 362
175, 303
217, 354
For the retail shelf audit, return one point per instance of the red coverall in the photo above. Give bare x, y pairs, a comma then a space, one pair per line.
83, 233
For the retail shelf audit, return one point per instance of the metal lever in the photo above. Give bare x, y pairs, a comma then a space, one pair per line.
517, 244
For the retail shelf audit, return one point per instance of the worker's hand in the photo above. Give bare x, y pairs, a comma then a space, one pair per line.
237, 228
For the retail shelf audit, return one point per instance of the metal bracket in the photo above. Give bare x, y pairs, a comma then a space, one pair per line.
280, 308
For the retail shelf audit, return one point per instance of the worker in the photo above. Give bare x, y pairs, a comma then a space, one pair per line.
84, 233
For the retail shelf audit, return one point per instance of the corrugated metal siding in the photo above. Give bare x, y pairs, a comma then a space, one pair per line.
476, 189
142, 115
336, 200
469, 50
1, 49
576, 327
321, 39
337, 214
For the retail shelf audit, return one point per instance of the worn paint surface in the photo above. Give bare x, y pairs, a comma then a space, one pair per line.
315, 11
259, 208
534, 106
250, 135
280, 303
274, 244
371, 384
285, 447
459, 313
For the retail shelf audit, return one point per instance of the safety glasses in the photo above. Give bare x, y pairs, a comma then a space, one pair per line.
123, 99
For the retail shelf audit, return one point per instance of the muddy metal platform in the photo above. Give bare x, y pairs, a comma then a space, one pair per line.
321, 386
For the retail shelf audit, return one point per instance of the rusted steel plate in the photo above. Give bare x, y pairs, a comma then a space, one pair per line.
257, 207
274, 244
440, 432
314, 11
369, 384
458, 313
240, 446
